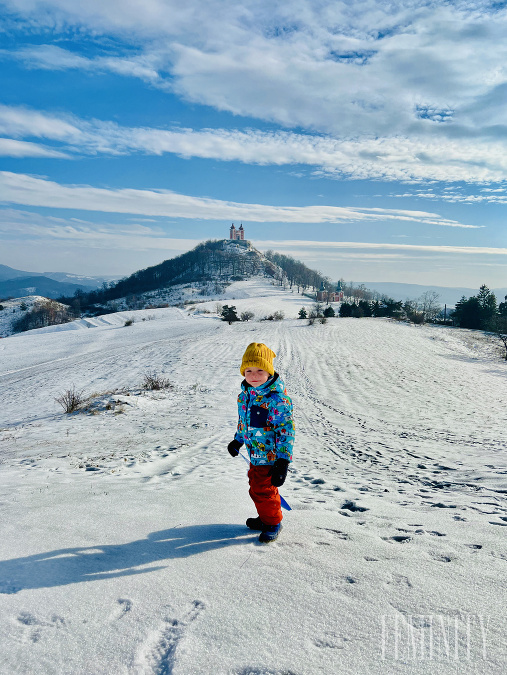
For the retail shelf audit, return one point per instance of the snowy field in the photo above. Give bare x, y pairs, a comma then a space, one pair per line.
123, 546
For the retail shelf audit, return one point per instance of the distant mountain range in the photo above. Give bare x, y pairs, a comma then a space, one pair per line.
7, 273
39, 285
18, 283
448, 295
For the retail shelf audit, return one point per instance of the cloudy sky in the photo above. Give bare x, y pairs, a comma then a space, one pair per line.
367, 139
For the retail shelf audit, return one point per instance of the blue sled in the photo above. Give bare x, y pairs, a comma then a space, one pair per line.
283, 503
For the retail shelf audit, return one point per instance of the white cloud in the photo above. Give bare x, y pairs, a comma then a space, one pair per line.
394, 158
457, 196
407, 91
25, 226
465, 250
343, 68
52, 57
23, 122
13, 148
33, 191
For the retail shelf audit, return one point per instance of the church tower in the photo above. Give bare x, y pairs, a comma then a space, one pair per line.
237, 234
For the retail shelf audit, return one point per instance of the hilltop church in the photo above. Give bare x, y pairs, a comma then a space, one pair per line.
237, 234
330, 296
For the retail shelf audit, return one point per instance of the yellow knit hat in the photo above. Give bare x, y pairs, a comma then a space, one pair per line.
257, 355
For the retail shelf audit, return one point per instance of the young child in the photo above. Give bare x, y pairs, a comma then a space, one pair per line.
266, 428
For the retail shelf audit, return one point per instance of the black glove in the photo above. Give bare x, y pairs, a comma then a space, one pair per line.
234, 447
278, 472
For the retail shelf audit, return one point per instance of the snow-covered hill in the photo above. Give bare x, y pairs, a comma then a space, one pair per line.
16, 308
124, 549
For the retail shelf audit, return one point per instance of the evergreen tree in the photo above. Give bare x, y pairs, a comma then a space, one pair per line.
302, 313
387, 307
345, 309
329, 311
487, 303
478, 312
229, 314
467, 313
365, 306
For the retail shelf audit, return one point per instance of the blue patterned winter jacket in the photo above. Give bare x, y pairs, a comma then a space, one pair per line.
265, 422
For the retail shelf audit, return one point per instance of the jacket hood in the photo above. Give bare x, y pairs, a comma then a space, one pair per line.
275, 383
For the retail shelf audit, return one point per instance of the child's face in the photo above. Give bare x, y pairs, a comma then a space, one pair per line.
256, 376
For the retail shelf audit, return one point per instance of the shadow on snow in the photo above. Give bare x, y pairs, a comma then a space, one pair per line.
73, 565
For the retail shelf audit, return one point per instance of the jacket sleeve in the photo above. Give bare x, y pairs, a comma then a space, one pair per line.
283, 427
238, 436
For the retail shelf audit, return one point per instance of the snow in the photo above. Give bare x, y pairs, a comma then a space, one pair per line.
124, 548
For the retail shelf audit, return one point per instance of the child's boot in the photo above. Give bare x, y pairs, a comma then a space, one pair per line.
270, 533
255, 523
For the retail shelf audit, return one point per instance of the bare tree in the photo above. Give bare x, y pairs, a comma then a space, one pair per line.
429, 305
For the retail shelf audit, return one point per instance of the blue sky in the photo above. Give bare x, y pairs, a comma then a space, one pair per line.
366, 139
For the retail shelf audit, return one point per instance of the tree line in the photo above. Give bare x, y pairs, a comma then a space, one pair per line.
295, 273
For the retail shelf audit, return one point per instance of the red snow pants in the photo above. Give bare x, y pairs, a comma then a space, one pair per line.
265, 496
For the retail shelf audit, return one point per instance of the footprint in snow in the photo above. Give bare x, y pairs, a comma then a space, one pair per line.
440, 558
337, 533
157, 655
35, 627
123, 606
330, 640
399, 580
352, 506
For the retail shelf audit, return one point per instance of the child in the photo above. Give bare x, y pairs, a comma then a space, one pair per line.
266, 427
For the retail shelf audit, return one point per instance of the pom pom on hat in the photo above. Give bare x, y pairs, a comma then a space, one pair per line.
257, 355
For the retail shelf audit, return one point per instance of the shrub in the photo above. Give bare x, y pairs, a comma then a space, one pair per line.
416, 317
70, 400
311, 321
316, 311
130, 321
329, 311
276, 316
153, 382
246, 316
302, 313
1, 307
323, 319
